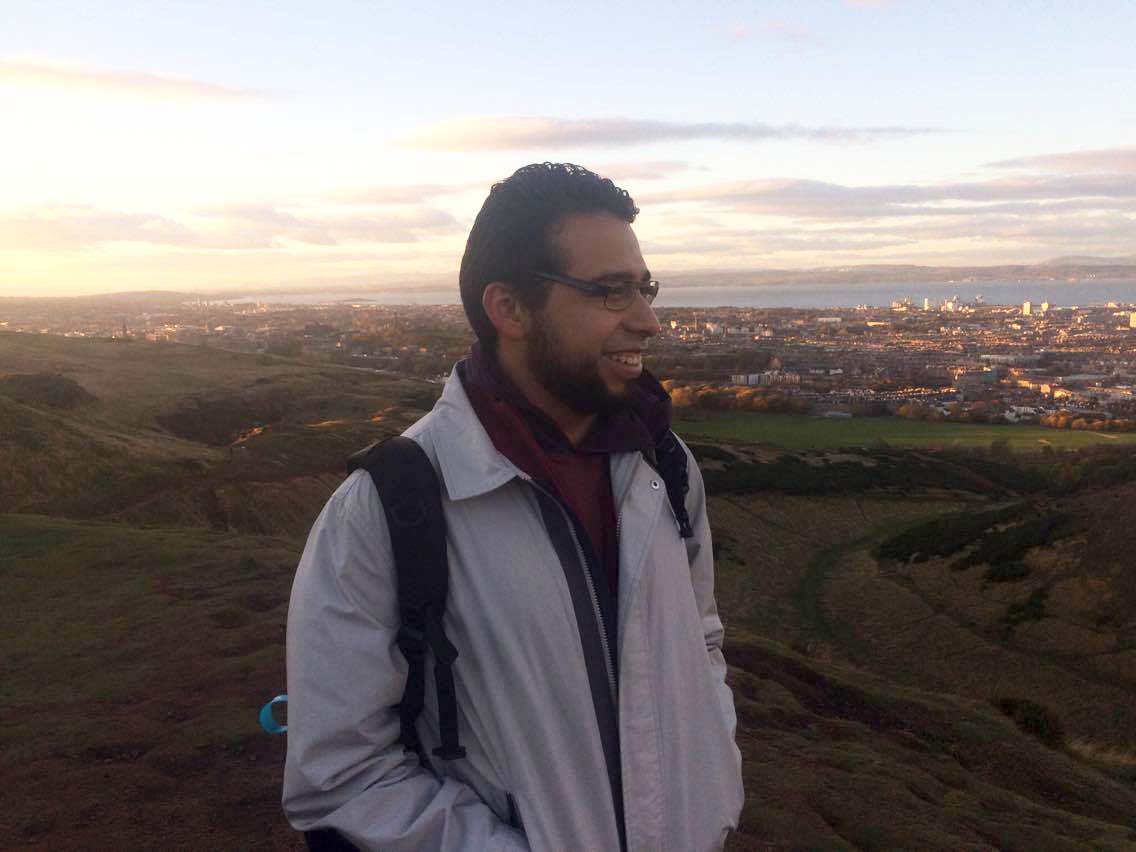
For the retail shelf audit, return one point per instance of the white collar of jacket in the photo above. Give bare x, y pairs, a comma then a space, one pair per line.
468, 462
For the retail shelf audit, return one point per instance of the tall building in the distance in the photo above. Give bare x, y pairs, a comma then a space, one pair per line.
1045, 307
1132, 320
926, 304
1027, 308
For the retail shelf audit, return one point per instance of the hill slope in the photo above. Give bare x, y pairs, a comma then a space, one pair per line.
148, 623
165, 429
142, 656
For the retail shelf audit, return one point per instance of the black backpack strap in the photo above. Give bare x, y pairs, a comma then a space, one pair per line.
328, 840
412, 501
671, 462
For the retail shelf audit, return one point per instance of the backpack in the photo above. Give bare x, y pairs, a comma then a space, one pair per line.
411, 496
412, 501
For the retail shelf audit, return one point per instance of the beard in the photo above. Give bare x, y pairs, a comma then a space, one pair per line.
576, 382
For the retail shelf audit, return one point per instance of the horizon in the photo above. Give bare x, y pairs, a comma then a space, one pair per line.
1055, 273
226, 148
809, 296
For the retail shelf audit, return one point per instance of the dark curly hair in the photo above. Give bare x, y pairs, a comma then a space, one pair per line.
514, 233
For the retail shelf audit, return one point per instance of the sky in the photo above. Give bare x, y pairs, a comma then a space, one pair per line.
213, 146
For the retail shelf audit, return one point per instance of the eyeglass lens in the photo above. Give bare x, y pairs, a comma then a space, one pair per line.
620, 297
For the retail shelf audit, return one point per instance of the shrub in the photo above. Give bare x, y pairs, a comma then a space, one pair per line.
708, 452
1007, 547
1031, 609
1033, 718
1007, 572
946, 535
45, 389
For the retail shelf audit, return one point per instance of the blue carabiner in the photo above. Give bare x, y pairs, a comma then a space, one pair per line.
268, 720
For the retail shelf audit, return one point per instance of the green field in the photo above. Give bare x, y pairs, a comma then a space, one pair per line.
802, 432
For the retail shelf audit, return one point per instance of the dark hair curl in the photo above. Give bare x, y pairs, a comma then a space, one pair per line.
514, 233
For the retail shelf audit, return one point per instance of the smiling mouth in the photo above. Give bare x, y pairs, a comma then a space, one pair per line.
628, 359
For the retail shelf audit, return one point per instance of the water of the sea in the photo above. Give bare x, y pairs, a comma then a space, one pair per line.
1057, 293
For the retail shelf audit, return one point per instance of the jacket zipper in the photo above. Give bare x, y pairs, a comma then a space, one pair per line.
601, 629
589, 582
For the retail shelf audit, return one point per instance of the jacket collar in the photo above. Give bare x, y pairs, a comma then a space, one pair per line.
469, 463
637, 427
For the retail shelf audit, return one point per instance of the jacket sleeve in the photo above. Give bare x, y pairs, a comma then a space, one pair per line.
346, 769
700, 552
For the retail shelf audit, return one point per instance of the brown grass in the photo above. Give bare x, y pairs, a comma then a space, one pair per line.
140, 652
1107, 754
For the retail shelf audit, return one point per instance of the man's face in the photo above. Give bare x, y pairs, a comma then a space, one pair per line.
583, 354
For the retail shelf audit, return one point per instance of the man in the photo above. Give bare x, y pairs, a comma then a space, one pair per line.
590, 679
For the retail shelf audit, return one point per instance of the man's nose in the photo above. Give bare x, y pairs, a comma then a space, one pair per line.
640, 317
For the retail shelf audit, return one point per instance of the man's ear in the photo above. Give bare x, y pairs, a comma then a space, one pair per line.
504, 311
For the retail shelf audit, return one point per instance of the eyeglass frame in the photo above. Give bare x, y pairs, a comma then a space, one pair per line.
648, 289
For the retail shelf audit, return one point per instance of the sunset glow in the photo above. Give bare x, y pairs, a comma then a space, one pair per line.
212, 148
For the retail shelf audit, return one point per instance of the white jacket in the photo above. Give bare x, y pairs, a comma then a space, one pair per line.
527, 708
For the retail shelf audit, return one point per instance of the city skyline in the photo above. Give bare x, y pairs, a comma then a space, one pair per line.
203, 147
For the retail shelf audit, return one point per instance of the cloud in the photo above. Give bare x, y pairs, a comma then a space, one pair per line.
233, 227
1037, 215
642, 169
1043, 229
772, 242
1119, 160
80, 226
393, 194
810, 199
510, 133
254, 226
987, 238
116, 82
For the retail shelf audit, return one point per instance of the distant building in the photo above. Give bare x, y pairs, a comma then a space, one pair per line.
926, 304
1027, 308
1045, 307
765, 379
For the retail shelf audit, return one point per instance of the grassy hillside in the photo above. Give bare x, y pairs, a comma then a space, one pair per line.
140, 657
134, 663
803, 571
837, 759
156, 499
166, 429
803, 432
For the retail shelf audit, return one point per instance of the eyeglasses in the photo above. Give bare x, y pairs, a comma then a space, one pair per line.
617, 295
